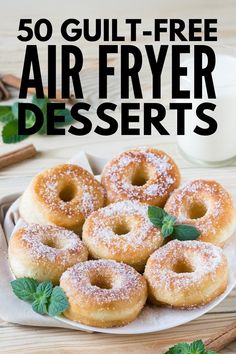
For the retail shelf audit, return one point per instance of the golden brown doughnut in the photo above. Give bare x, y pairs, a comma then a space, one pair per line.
103, 293
122, 232
64, 195
147, 175
44, 252
207, 206
186, 274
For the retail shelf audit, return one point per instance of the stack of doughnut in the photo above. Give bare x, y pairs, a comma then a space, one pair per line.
95, 238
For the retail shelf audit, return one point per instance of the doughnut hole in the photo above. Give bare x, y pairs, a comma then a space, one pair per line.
121, 228
68, 192
54, 243
101, 281
196, 210
140, 176
182, 266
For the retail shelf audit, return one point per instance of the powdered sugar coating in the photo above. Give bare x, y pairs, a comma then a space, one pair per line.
186, 274
204, 259
216, 201
133, 245
51, 243
86, 189
105, 219
161, 171
64, 196
161, 164
123, 281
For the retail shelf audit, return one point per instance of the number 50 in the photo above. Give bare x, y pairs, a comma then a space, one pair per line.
24, 26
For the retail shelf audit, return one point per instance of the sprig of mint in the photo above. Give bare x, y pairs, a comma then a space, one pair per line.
9, 117
44, 298
57, 301
196, 347
167, 223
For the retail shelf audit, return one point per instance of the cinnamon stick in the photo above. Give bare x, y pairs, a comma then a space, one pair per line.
15, 156
14, 81
221, 339
4, 94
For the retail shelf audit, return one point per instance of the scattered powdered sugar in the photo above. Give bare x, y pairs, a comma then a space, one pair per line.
127, 207
125, 161
204, 258
157, 189
87, 190
153, 189
123, 281
51, 186
210, 194
161, 180
162, 164
50, 242
88, 202
141, 233
217, 209
193, 188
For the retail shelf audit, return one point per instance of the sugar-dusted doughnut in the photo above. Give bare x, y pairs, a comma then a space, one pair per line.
44, 252
103, 293
63, 195
186, 274
147, 175
122, 232
206, 205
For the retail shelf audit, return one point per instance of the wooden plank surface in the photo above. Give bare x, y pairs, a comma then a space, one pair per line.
53, 150
36, 340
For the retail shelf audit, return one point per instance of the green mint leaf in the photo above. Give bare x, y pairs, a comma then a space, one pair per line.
58, 302
43, 129
45, 289
30, 120
15, 109
43, 293
7, 118
181, 348
30, 116
42, 104
197, 347
5, 110
6, 114
184, 232
25, 288
167, 229
40, 305
156, 215
10, 133
168, 225
169, 219
67, 120
44, 298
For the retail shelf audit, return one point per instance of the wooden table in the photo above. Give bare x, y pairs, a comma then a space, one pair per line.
53, 150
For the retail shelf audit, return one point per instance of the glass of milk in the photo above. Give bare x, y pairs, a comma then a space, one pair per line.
218, 149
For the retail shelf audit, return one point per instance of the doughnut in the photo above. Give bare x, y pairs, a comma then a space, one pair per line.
207, 206
44, 252
147, 175
64, 196
186, 274
103, 293
122, 232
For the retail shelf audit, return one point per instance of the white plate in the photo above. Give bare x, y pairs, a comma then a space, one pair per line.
153, 318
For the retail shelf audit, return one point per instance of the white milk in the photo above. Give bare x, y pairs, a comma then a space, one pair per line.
221, 146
